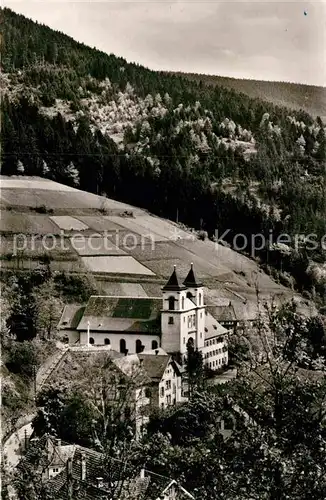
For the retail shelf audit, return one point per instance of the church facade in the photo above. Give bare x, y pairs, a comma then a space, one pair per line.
136, 324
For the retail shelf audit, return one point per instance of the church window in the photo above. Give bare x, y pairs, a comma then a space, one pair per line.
91, 340
171, 320
183, 303
171, 303
107, 341
138, 346
200, 299
122, 346
154, 344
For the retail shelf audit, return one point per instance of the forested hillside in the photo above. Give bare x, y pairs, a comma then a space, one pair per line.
217, 158
311, 98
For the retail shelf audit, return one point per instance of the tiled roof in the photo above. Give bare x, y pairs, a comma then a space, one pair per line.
76, 359
118, 478
71, 316
222, 313
154, 365
191, 281
174, 283
131, 367
134, 314
214, 328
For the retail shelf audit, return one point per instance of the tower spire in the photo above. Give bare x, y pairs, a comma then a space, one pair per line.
173, 283
191, 281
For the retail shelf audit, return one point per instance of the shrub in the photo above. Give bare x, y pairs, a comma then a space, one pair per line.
42, 209
23, 358
202, 235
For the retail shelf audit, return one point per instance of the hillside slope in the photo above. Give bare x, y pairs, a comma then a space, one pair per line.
128, 250
209, 157
310, 98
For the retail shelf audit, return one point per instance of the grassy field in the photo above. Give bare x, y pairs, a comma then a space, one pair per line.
68, 223
27, 223
100, 223
115, 265
96, 246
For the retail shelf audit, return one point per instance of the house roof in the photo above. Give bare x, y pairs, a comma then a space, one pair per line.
213, 327
73, 361
118, 477
222, 312
71, 316
174, 283
154, 365
191, 281
133, 314
132, 368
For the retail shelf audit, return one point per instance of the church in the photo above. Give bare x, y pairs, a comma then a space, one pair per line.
132, 325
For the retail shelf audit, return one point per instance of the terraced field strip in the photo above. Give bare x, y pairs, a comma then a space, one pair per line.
100, 223
32, 183
95, 246
133, 226
115, 265
27, 224
164, 228
68, 223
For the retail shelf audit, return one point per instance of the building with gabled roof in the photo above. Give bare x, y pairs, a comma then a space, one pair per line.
137, 324
73, 471
167, 384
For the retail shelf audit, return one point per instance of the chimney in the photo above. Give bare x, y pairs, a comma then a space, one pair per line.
142, 474
83, 467
156, 352
99, 482
69, 467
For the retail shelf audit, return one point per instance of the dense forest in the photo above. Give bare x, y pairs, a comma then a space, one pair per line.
217, 158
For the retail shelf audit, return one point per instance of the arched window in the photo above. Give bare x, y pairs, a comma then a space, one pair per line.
190, 342
154, 344
139, 346
91, 340
183, 303
200, 299
122, 346
189, 295
107, 341
171, 303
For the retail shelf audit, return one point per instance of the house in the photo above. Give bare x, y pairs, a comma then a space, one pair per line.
125, 379
137, 324
166, 376
73, 471
225, 314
